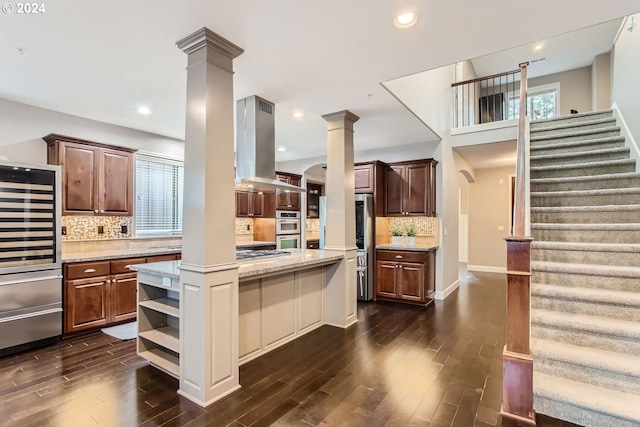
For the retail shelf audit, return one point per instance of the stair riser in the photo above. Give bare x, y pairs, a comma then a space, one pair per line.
571, 119
587, 146
601, 217
614, 343
586, 374
591, 200
582, 157
629, 259
577, 415
586, 170
575, 128
598, 184
591, 236
560, 138
587, 308
627, 284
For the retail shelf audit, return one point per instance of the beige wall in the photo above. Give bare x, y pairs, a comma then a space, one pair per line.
601, 81
488, 210
575, 89
626, 69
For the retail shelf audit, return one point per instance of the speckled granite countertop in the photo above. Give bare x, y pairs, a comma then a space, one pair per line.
408, 248
119, 253
253, 268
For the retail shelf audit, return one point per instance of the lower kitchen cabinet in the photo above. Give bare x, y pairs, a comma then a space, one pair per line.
101, 293
313, 244
407, 276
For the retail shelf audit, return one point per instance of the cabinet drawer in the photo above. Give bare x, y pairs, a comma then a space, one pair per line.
160, 258
121, 265
80, 270
401, 256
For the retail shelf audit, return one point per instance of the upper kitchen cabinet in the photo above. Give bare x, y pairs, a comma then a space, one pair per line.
410, 188
314, 191
369, 178
255, 205
97, 179
288, 200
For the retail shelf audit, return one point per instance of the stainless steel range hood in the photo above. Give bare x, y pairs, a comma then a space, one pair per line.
256, 147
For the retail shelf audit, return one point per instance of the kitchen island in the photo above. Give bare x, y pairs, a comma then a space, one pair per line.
280, 299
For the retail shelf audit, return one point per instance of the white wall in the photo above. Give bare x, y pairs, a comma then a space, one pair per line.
22, 127
626, 69
489, 209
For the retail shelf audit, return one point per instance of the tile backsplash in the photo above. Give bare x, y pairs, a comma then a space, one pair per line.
86, 227
426, 226
244, 226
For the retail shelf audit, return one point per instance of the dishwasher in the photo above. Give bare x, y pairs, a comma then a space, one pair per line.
30, 257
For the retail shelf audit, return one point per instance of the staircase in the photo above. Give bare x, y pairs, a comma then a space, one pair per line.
585, 288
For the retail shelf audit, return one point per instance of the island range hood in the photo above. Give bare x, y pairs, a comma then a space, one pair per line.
256, 147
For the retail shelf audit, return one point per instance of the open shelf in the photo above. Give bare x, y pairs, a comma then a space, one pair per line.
166, 336
168, 306
163, 360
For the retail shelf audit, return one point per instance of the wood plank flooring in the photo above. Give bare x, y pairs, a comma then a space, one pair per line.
399, 366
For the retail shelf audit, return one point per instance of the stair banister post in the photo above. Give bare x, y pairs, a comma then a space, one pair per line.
517, 363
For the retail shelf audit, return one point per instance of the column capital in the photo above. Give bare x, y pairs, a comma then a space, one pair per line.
205, 37
344, 116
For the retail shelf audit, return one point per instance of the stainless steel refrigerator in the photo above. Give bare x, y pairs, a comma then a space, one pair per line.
365, 236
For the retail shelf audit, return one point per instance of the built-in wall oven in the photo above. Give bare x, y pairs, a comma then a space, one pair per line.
288, 229
30, 256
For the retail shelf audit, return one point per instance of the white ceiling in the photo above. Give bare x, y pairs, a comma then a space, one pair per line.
101, 59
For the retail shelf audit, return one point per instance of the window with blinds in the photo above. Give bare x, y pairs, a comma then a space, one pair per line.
159, 187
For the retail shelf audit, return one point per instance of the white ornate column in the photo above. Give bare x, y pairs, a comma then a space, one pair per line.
341, 303
209, 272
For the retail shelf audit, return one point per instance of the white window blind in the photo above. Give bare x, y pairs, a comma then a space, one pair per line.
159, 187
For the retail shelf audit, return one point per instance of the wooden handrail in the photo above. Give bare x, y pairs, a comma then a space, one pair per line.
520, 190
479, 79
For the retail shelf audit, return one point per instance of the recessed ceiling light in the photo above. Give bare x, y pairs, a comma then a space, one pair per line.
298, 114
144, 111
538, 46
281, 148
405, 20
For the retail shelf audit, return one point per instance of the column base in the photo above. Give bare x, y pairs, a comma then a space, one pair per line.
517, 388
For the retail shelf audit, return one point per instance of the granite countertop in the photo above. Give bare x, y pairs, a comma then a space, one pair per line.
119, 253
407, 248
253, 268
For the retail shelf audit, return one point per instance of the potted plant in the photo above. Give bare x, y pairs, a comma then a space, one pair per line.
411, 234
396, 235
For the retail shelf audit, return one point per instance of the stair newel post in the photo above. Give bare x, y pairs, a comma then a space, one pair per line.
517, 362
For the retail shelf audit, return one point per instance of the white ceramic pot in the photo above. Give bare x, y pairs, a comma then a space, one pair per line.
396, 240
411, 241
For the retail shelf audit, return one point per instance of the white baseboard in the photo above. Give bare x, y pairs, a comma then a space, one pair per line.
487, 269
440, 295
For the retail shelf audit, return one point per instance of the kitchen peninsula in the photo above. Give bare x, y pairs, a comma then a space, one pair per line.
280, 298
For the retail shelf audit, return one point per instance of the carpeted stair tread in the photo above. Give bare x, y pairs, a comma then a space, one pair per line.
624, 364
599, 164
586, 178
579, 246
583, 323
578, 133
586, 269
587, 227
577, 155
606, 208
576, 146
588, 115
622, 298
586, 193
604, 407
604, 121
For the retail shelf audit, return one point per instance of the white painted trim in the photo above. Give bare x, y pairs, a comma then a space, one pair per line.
485, 127
630, 141
487, 269
441, 295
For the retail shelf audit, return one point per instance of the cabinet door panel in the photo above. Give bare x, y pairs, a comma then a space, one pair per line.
242, 203
257, 204
363, 178
86, 303
393, 191
116, 183
415, 202
386, 279
294, 198
411, 281
123, 297
79, 168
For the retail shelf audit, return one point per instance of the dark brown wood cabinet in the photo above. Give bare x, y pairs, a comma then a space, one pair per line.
288, 200
407, 276
410, 188
100, 293
369, 178
97, 179
314, 191
313, 244
255, 204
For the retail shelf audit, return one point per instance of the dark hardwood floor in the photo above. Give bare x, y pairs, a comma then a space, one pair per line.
399, 366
